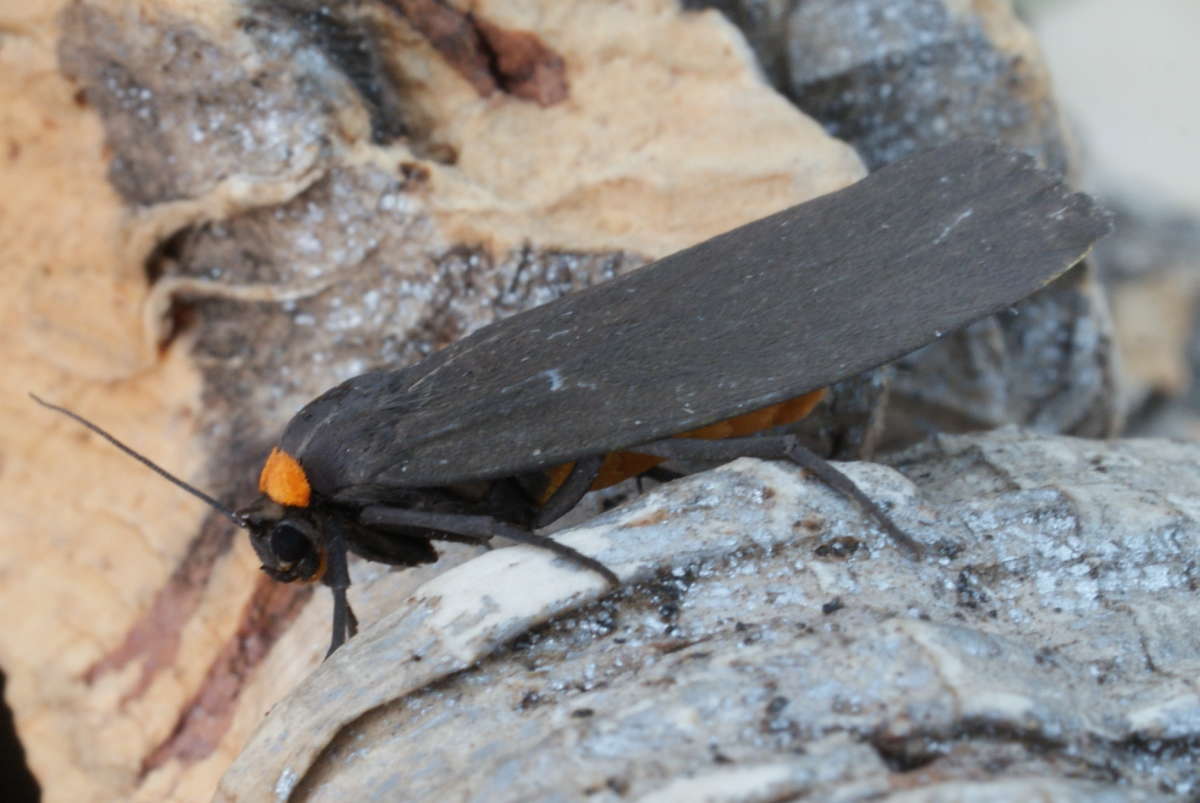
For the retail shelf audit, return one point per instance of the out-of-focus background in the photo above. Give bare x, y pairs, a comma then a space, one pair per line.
1126, 75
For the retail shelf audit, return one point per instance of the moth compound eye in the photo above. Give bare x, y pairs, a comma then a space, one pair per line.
289, 544
290, 549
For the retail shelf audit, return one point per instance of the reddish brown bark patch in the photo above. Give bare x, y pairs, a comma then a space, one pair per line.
454, 36
525, 66
154, 638
207, 716
489, 57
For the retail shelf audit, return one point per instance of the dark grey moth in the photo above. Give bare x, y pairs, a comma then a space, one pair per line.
503, 432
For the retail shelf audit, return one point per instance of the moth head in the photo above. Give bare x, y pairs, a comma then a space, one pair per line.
286, 539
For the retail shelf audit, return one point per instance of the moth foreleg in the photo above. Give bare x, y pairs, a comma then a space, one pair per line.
482, 528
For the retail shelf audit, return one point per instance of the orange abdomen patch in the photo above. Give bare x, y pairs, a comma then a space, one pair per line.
620, 466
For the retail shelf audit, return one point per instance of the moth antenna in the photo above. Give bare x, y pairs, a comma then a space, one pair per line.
157, 469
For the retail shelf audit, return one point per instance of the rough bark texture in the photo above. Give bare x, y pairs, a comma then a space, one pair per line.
768, 645
211, 212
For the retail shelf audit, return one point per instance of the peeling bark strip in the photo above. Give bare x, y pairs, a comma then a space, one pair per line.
205, 718
155, 636
489, 57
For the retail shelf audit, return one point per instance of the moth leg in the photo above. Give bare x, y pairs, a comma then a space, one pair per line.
337, 577
839, 482
777, 448
482, 528
574, 488
659, 474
